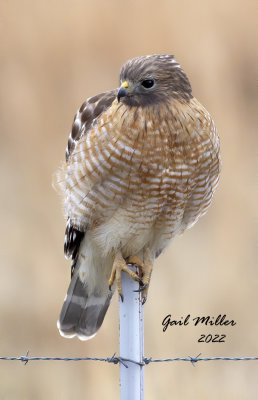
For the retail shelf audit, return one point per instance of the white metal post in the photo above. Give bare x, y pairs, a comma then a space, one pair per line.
131, 341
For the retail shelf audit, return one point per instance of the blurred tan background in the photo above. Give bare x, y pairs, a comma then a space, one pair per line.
53, 56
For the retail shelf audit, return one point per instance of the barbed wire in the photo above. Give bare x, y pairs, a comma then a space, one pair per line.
117, 359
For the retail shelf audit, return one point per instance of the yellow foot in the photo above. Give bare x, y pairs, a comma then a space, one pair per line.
118, 266
145, 268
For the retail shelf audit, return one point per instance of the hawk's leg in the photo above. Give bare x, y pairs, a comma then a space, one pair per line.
145, 267
119, 265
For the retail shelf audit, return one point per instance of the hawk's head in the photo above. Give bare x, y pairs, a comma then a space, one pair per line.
153, 79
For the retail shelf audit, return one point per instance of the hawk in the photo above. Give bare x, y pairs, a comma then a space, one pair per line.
142, 163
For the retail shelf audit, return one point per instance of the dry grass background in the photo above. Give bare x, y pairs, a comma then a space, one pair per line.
53, 56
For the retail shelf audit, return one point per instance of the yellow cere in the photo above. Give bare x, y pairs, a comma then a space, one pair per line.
125, 85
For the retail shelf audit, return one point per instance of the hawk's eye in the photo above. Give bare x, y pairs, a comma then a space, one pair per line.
148, 83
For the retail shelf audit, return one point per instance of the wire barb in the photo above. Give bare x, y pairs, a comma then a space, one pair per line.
25, 359
194, 359
112, 359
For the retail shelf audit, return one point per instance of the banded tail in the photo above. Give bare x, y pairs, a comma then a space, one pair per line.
88, 296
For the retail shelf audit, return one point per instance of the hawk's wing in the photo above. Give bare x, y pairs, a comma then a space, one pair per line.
84, 120
86, 116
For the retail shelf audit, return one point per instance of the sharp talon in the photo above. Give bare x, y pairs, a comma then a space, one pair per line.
144, 300
139, 280
143, 286
121, 297
109, 287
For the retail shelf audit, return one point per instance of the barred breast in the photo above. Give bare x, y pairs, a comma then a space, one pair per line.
142, 175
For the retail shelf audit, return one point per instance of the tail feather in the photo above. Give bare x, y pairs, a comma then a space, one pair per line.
83, 312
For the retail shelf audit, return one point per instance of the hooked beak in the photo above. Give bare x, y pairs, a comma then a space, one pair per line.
123, 91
